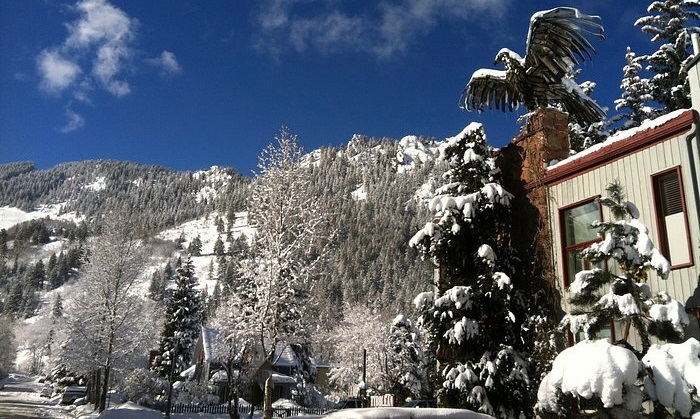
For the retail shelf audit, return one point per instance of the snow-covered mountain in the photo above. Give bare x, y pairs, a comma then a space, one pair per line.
45, 214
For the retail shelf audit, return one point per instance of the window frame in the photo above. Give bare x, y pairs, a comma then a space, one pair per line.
661, 229
566, 248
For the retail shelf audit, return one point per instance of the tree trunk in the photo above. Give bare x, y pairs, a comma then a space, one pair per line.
232, 393
105, 387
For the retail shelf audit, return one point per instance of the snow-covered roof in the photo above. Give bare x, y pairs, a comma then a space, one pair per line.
621, 144
285, 356
278, 378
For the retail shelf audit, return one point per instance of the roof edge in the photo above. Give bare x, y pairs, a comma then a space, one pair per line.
619, 149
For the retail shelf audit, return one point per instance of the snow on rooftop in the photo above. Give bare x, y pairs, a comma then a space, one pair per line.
209, 335
620, 136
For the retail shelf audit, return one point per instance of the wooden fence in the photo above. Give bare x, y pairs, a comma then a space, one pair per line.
243, 410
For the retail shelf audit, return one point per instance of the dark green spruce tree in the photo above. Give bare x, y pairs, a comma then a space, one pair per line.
182, 323
472, 318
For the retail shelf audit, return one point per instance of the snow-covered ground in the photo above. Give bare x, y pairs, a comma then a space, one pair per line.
132, 411
23, 390
10, 216
205, 228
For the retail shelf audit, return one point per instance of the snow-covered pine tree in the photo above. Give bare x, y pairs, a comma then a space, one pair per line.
633, 104
195, 246
407, 366
183, 315
470, 316
670, 24
582, 136
618, 293
8, 347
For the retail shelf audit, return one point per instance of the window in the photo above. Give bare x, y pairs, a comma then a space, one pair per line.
577, 234
671, 219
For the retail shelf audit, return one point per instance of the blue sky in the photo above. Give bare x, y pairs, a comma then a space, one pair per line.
190, 84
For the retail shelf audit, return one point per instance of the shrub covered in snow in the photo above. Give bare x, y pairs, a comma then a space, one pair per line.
600, 296
668, 375
142, 386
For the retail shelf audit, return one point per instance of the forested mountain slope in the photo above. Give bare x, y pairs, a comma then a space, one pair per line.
368, 186
163, 197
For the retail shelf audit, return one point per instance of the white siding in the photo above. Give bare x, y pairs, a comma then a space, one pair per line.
634, 172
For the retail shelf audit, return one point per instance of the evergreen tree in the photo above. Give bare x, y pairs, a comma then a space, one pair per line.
582, 136
51, 271
601, 296
633, 104
3, 242
195, 247
182, 323
157, 287
57, 308
37, 275
670, 24
219, 249
15, 300
8, 347
168, 272
471, 316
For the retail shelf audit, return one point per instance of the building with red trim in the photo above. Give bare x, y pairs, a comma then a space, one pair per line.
656, 163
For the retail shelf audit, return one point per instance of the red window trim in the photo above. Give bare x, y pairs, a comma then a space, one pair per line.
661, 224
562, 236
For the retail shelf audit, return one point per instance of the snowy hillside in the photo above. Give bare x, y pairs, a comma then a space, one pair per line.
205, 228
10, 217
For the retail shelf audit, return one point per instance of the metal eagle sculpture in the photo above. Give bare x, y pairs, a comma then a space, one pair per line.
557, 40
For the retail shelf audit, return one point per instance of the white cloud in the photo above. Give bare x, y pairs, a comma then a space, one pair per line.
57, 72
96, 55
74, 121
167, 62
383, 30
96, 52
100, 23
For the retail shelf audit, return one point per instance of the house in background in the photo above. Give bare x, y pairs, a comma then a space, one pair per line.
657, 164
282, 369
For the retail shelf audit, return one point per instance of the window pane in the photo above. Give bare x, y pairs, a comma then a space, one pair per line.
575, 263
578, 222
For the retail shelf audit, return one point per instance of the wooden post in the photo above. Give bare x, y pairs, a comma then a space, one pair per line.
267, 407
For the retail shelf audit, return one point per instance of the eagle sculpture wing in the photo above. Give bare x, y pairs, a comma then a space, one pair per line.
491, 88
557, 40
